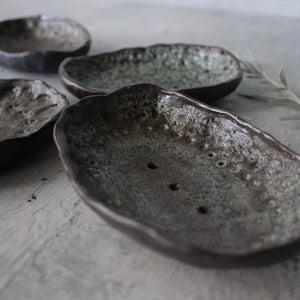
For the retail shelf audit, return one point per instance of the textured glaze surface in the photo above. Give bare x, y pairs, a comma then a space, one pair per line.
44, 37
26, 107
197, 176
191, 68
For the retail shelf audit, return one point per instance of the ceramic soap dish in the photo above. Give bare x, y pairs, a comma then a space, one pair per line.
27, 113
40, 43
195, 183
203, 72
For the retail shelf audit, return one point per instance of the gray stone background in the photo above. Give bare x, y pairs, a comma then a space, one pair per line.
288, 8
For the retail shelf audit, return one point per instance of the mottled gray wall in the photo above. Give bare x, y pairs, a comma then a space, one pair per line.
289, 8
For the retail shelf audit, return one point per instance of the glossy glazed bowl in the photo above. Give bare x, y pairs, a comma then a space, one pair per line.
194, 182
40, 43
27, 113
203, 72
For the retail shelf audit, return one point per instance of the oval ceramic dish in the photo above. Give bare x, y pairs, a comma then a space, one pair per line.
39, 44
203, 72
194, 182
28, 109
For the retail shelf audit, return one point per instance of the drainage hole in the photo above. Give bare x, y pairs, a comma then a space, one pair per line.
211, 154
152, 165
203, 210
174, 186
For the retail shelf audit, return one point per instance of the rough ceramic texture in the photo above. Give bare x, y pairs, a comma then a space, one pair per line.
203, 72
40, 43
28, 109
196, 183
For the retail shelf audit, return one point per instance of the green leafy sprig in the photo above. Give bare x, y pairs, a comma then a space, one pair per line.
281, 94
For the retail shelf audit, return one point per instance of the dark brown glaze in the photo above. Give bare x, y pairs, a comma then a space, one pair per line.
41, 43
194, 182
206, 73
28, 111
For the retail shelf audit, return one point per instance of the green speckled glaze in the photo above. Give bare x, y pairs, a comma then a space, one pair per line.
173, 67
196, 175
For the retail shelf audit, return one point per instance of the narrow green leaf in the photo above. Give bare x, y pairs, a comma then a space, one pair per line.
252, 76
280, 89
254, 97
279, 95
246, 96
283, 78
279, 100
